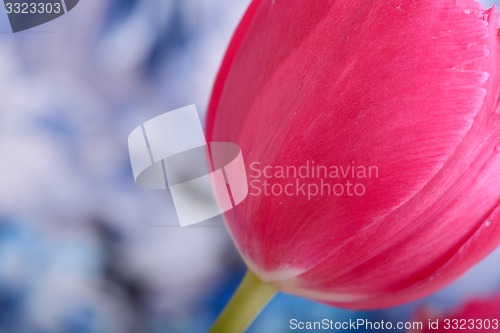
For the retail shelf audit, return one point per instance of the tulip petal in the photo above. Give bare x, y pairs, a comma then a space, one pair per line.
399, 85
436, 246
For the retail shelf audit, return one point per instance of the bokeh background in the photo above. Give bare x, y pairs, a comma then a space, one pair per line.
82, 249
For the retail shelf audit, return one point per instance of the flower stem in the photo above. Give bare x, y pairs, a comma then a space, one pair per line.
249, 299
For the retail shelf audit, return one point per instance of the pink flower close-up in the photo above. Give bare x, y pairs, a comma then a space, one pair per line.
410, 88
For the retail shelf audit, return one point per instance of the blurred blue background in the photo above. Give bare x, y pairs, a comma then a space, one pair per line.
82, 249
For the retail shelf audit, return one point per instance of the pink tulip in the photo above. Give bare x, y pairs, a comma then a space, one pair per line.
481, 315
410, 88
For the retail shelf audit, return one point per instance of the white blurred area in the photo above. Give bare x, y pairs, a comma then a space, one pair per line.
70, 214
82, 248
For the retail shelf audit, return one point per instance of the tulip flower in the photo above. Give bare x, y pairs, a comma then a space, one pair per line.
370, 131
480, 315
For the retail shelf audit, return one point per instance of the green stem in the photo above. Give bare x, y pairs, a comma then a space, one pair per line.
249, 299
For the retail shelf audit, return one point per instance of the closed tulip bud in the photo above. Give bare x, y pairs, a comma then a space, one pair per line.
371, 134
